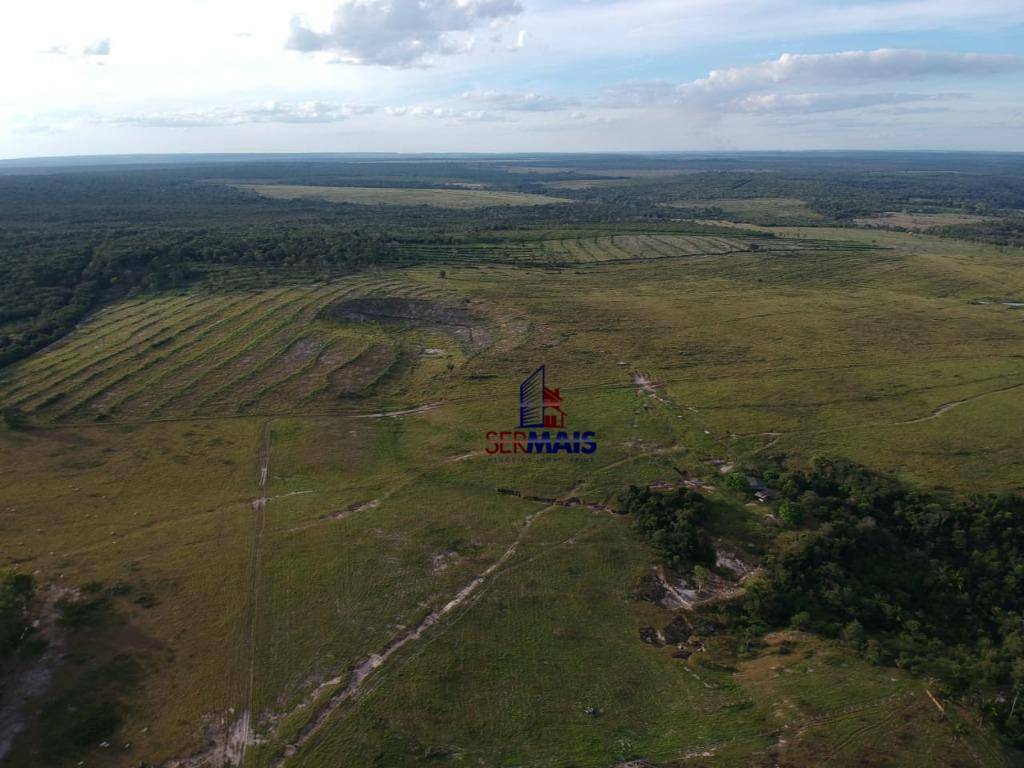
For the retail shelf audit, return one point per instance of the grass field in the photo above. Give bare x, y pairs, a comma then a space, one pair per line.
921, 221
759, 210
301, 494
438, 198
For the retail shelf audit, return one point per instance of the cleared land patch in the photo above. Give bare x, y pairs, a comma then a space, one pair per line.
921, 221
782, 210
413, 313
438, 198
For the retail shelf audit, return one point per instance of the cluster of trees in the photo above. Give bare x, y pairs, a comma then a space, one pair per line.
1006, 231
674, 523
922, 580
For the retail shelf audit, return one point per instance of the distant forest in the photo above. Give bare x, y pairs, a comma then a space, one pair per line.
74, 237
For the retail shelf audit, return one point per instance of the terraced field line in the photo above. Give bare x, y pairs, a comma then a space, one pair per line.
298, 373
128, 349
325, 381
305, 300
610, 251
66, 348
150, 356
268, 362
588, 246
359, 675
162, 373
855, 735
674, 247
248, 319
69, 365
126, 326
651, 243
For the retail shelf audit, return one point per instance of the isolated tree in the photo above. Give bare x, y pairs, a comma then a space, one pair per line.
701, 577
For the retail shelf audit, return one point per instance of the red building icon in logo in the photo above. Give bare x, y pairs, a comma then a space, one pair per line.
554, 416
539, 405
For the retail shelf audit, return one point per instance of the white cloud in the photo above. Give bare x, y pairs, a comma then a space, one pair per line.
448, 114
827, 102
401, 32
573, 48
639, 94
521, 102
97, 48
270, 112
859, 66
771, 86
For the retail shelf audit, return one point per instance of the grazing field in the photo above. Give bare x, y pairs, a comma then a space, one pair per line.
438, 198
758, 210
920, 221
295, 476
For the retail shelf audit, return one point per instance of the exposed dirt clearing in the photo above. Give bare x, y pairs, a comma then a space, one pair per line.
679, 594
455, 320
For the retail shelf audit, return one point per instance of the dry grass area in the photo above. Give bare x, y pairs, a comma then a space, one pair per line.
920, 221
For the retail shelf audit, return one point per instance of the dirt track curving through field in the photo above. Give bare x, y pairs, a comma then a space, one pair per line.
227, 745
936, 413
370, 665
947, 407
241, 735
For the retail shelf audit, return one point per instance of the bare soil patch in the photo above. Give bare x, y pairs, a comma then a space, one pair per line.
413, 313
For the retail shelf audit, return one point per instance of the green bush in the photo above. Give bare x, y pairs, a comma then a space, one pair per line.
737, 481
790, 512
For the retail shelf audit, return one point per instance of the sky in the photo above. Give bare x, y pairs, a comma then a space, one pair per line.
83, 77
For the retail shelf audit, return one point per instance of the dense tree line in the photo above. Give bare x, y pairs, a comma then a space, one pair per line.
674, 523
1008, 231
919, 579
